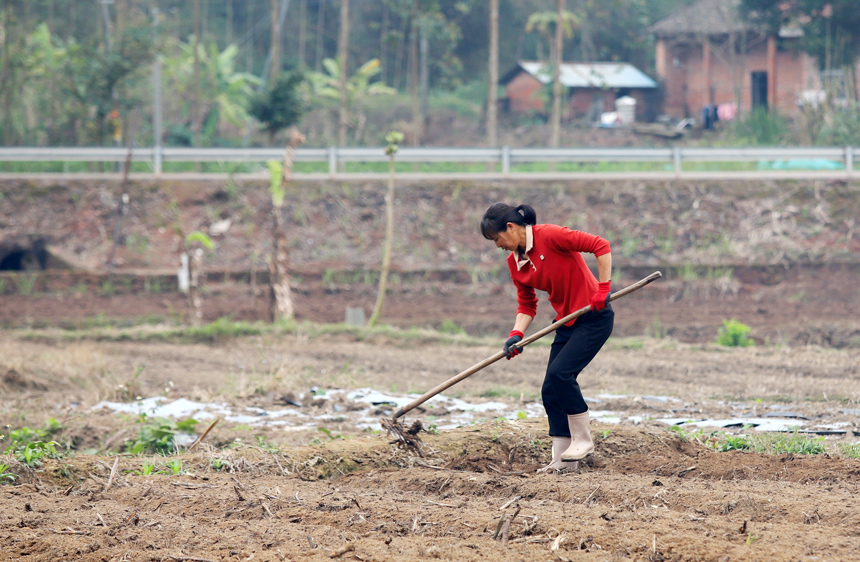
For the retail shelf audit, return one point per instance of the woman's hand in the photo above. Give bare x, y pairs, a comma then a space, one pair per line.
511, 349
598, 301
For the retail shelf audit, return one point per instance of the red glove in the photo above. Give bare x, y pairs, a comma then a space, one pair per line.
598, 301
511, 350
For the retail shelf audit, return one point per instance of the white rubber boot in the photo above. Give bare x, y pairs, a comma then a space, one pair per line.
580, 433
559, 445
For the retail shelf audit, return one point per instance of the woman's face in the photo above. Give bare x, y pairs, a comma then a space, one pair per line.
509, 239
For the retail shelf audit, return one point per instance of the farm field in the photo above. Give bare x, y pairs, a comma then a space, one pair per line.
262, 491
703, 452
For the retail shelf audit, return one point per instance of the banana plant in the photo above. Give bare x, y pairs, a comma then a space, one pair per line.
223, 93
358, 87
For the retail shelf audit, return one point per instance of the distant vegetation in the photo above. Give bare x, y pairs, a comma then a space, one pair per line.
83, 74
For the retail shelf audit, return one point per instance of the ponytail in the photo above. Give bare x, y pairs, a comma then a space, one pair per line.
498, 216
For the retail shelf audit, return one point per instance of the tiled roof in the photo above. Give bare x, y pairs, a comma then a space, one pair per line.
705, 17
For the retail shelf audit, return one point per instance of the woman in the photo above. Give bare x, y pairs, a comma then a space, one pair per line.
547, 257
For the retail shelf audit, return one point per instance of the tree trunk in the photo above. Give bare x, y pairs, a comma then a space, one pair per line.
383, 44
249, 28
229, 24
413, 78
275, 43
303, 32
493, 89
424, 66
343, 55
196, 120
280, 295
386, 253
6, 77
401, 79
320, 26
195, 267
556, 82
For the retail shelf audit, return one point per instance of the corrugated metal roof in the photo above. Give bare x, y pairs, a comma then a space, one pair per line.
592, 75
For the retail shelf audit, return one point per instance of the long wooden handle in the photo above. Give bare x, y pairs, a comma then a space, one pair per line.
531, 339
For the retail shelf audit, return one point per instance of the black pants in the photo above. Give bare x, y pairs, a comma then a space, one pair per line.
573, 348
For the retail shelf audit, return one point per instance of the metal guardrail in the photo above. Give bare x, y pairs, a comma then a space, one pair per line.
505, 156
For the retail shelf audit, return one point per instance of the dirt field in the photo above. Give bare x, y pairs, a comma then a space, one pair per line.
646, 493
297, 468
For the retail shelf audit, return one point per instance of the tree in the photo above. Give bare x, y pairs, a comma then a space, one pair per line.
90, 77
544, 24
358, 87
224, 93
195, 244
547, 25
280, 295
394, 138
280, 106
831, 28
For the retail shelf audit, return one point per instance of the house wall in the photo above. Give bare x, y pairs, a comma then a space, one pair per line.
522, 92
686, 86
523, 97
582, 101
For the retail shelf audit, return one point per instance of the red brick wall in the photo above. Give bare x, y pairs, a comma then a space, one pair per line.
522, 92
685, 84
582, 99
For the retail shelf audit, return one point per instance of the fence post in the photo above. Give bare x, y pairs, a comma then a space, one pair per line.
506, 160
157, 158
676, 157
849, 161
332, 160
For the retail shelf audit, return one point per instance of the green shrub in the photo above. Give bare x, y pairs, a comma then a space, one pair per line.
26, 283
733, 443
157, 435
761, 127
842, 129
7, 477
850, 450
448, 326
20, 438
781, 443
734, 334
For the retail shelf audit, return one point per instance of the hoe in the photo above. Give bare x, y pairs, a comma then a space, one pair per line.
408, 437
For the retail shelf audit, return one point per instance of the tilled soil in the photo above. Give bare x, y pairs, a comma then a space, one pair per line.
642, 496
275, 493
779, 257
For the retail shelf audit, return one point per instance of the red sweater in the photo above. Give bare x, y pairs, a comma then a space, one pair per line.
558, 268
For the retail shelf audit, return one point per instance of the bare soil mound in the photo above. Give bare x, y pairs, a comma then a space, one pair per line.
642, 496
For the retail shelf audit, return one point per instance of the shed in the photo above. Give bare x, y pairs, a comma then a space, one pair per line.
592, 88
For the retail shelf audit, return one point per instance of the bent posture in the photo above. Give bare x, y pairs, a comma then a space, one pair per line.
548, 258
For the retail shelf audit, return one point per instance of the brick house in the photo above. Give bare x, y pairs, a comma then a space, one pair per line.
707, 55
592, 89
